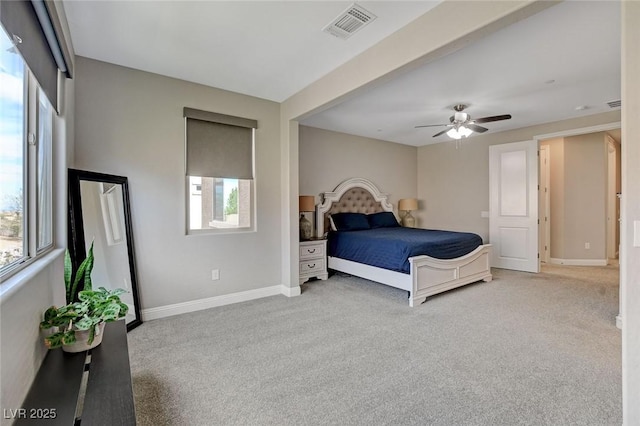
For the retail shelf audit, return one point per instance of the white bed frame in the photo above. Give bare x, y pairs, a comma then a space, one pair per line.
428, 275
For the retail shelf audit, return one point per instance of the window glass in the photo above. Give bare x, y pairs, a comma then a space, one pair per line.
13, 163
219, 203
26, 187
44, 188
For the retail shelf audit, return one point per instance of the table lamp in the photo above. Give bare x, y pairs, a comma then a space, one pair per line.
307, 203
407, 205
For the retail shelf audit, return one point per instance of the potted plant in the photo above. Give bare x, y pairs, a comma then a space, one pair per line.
80, 323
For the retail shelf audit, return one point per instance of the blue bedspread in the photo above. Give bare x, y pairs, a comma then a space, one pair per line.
390, 248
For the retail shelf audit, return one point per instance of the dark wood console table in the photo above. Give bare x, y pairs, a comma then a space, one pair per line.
56, 391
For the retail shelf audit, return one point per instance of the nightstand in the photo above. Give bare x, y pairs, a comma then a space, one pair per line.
313, 260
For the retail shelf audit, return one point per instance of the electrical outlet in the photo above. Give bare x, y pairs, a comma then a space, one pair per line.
215, 274
587, 245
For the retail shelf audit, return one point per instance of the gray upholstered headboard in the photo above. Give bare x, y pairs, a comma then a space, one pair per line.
356, 195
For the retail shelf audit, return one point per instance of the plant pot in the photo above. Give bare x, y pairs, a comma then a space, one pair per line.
81, 340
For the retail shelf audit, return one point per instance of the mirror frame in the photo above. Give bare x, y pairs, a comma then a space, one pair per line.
75, 229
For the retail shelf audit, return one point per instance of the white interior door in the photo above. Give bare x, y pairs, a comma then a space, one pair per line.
513, 217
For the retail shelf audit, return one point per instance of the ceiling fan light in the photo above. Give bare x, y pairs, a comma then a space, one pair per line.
454, 134
459, 133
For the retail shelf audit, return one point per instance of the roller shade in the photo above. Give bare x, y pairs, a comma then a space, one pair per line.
219, 145
32, 27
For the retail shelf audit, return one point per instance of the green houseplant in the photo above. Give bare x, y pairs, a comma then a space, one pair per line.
87, 310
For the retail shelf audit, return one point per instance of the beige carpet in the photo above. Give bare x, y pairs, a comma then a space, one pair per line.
524, 349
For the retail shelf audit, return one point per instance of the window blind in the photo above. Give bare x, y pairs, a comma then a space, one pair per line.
219, 145
33, 31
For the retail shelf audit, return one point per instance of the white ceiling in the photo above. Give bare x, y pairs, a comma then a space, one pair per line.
574, 44
267, 49
273, 49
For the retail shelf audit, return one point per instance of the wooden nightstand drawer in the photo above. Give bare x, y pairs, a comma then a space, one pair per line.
312, 250
313, 260
312, 267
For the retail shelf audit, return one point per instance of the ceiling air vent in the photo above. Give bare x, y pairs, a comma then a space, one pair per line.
349, 22
615, 104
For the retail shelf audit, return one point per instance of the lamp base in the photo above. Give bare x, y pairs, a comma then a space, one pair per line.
305, 228
408, 221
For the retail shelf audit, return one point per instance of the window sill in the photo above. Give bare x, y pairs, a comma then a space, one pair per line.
219, 231
15, 282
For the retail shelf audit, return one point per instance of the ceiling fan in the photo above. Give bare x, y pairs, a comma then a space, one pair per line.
462, 126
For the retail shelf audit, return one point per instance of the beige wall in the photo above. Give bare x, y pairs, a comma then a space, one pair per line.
453, 183
453, 186
131, 123
578, 190
328, 158
585, 176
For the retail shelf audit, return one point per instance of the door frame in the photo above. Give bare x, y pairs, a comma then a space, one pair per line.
544, 203
612, 211
579, 131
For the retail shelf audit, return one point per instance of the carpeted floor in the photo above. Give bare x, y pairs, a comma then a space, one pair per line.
524, 349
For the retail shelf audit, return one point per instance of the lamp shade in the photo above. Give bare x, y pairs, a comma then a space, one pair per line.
462, 132
307, 203
408, 204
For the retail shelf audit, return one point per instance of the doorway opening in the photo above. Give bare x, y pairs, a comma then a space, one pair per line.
579, 204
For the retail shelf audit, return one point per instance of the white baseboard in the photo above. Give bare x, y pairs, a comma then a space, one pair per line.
619, 322
578, 262
212, 302
291, 291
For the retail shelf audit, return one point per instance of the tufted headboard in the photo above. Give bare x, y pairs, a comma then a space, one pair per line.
356, 195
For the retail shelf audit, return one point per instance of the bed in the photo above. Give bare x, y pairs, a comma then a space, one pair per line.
406, 264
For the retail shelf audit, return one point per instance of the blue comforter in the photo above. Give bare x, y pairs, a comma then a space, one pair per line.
390, 248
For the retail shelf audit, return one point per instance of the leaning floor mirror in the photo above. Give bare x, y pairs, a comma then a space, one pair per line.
99, 212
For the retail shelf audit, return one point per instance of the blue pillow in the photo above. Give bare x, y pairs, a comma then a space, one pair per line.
382, 220
350, 221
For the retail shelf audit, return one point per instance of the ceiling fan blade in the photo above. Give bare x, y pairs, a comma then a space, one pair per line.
476, 128
432, 125
493, 118
440, 133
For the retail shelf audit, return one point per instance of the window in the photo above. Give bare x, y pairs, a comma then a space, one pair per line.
44, 207
219, 168
219, 203
21, 214
13, 79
